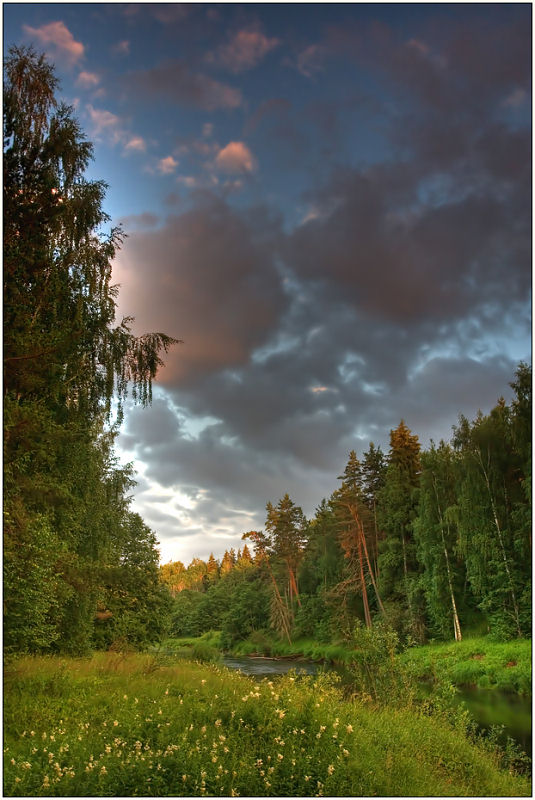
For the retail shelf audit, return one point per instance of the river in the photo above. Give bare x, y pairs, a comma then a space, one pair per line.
487, 706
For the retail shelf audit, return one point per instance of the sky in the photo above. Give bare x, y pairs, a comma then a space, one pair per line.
329, 204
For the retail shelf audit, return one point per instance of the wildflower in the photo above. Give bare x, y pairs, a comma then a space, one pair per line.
108, 748
349, 728
307, 777
32, 733
17, 780
345, 752
280, 756
136, 700
330, 769
167, 691
103, 771
46, 782
34, 750
203, 682
115, 723
184, 778
13, 761
217, 723
280, 712
125, 697
26, 765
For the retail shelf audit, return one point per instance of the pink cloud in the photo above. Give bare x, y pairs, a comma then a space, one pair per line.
87, 80
57, 36
236, 158
135, 144
167, 165
244, 51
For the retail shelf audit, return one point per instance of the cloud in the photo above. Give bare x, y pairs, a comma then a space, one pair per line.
139, 221
516, 98
167, 165
210, 245
311, 60
57, 38
105, 123
87, 80
245, 50
135, 144
236, 158
121, 48
106, 126
174, 80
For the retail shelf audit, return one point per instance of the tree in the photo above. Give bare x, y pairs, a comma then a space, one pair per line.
438, 542
64, 363
397, 510
373, 477
355, 529
286, 527
493, 507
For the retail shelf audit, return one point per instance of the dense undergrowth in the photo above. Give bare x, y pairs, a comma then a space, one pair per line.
157, 726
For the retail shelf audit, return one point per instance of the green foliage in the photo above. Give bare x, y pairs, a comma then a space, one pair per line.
134, 725
478, 661
64, 364
375, 670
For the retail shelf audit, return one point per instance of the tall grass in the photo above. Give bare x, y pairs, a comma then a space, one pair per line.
116, 725
479, 662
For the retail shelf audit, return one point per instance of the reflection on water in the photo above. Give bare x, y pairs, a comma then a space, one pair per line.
267, 667
488, 707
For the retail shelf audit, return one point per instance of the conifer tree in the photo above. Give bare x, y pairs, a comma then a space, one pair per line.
398, 501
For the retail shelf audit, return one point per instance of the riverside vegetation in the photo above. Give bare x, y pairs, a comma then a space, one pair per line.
412, 546
133, 726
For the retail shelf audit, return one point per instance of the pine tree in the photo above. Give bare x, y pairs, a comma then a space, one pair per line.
398, 501
355, 533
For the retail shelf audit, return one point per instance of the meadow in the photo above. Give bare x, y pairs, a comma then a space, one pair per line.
145, 725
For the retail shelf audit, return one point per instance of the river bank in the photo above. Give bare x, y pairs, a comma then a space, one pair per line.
478, 662
149, 725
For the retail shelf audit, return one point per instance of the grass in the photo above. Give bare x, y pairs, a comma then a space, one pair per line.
306, 648
149, 725
476, 662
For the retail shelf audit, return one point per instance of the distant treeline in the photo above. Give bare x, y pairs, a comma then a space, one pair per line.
433, 542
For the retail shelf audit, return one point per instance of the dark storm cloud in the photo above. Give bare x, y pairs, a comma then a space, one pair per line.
209, 276
403, 295
174, 80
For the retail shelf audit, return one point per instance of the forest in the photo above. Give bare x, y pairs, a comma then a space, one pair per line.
414, 546
430, 542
